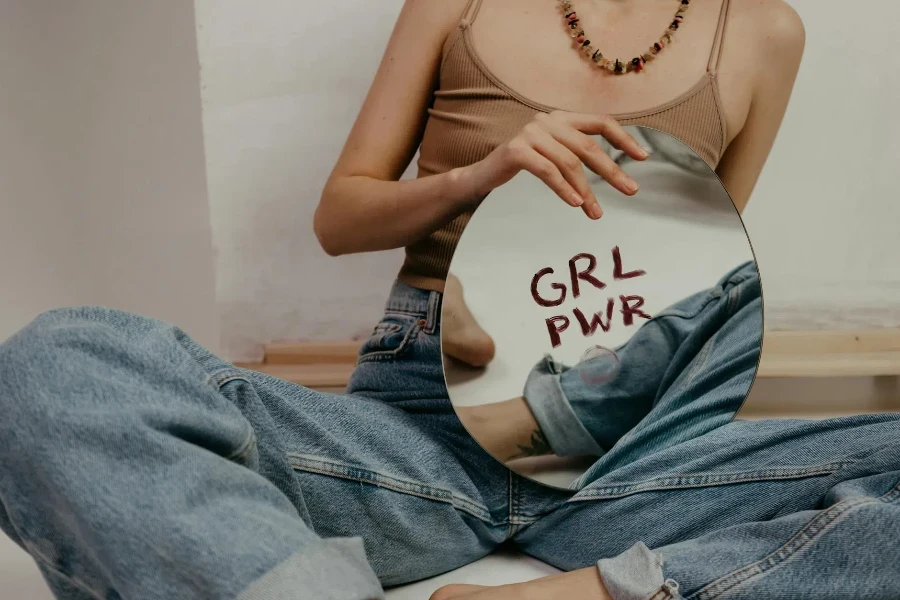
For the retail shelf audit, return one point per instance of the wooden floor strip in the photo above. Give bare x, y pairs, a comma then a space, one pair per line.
311, 376
312, 353
785, 354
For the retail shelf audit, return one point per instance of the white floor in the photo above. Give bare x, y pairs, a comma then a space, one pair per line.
21, 580
19, 576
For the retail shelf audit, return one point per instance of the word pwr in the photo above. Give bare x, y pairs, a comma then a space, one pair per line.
581, 270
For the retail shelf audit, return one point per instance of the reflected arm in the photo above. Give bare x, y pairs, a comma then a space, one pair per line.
507, 430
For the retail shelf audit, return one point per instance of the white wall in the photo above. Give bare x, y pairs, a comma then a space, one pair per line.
102, 185
283, 81
824, 219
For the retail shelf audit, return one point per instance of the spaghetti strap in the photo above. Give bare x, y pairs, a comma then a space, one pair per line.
717, 42
470, 12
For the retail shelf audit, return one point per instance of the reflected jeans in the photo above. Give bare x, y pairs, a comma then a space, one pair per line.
684, 373
135, 464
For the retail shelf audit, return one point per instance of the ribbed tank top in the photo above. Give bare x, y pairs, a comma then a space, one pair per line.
473, 112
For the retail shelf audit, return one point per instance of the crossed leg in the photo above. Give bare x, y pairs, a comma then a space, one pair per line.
765, 509
133, 463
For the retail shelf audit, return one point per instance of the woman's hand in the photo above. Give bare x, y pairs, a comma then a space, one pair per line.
553, 147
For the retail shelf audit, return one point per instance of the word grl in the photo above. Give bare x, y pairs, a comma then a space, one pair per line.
629, 306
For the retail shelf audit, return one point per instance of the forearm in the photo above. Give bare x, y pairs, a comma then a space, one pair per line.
364, 214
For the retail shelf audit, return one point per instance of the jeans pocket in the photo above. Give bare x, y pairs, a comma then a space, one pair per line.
392, 337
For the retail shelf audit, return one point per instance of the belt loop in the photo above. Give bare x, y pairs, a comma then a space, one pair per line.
433, 315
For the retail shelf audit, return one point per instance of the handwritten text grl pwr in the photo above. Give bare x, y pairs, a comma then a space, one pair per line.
629, 306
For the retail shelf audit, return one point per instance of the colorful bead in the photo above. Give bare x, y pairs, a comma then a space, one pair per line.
637, 63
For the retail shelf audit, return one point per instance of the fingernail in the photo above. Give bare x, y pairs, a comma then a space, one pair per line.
631, 185
595, 211
576, 199
645, 152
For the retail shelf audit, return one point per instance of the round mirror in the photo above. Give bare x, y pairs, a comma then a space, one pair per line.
592, 325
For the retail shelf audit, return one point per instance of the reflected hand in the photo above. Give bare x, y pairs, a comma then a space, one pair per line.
583, 584
554, 147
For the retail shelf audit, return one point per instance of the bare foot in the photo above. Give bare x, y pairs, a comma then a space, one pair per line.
582, 584
461, 335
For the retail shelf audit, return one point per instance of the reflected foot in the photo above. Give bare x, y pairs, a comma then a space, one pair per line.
461, 335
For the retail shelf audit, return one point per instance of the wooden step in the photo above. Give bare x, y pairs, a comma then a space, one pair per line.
830, 353
785, 354
312, 353
831, 342
331, 376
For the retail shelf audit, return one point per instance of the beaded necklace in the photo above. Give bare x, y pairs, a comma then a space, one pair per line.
636, 64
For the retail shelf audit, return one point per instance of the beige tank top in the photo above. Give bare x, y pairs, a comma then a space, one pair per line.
473, 112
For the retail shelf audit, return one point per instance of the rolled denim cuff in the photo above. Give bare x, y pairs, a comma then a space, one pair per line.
637, 574
565, 434
332, 569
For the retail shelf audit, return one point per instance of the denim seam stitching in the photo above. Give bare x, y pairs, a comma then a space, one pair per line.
735, 295
322, 466
804, 538
516, 517
510, 530
707, 480
226, 376
386, 355
696, 368
663, 593
240, 455
406, 313
432, 314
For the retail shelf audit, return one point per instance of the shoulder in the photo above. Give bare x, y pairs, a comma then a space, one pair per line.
423, 26
773, 25
441, 14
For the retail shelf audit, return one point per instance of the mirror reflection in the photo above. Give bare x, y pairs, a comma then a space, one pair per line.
561, 333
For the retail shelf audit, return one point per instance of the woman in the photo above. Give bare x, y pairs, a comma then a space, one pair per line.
135, 464
487, 88
493, 115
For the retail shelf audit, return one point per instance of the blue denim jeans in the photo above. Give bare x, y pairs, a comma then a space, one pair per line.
135, 464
